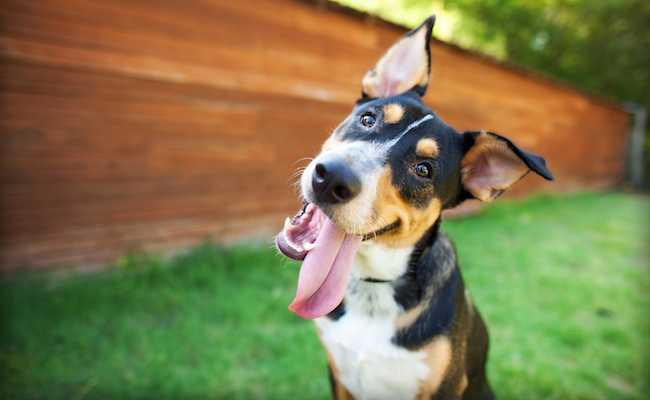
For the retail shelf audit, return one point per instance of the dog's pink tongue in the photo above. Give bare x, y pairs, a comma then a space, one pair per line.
325, 272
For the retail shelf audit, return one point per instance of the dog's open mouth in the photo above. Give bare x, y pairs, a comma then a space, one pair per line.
327, 252
300, 232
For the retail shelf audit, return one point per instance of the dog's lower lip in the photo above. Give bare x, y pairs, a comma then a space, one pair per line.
381, 231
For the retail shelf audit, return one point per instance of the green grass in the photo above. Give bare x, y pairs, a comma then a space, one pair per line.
564, 286
562, 282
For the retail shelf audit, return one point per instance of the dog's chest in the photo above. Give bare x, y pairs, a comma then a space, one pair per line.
360, 343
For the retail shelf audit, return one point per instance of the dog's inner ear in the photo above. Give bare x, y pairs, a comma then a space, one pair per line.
490, 167
405, 66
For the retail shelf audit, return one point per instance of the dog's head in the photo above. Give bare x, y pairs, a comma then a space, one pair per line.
387, 172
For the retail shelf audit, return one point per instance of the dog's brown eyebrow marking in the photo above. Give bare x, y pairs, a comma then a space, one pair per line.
427, 148
393, 113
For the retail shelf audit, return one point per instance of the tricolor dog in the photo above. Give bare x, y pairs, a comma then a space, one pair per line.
379, 276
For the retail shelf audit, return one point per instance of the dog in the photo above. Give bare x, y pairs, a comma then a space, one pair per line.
379, 276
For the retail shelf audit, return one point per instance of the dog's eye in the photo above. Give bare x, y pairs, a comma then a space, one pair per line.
368, 120
423, 170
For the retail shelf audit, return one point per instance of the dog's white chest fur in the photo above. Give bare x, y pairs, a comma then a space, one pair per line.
369, 365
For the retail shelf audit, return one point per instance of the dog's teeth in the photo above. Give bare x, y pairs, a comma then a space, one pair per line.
310, 208
287, 223
309, 246
291, 244
296, 247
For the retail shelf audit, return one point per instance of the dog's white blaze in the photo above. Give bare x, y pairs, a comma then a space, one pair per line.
389, 144
369, 365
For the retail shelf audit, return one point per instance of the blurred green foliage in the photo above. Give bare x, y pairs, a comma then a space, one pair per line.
603, 46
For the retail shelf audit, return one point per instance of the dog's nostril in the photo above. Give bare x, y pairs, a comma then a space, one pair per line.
334, 181
320, 171
342, 193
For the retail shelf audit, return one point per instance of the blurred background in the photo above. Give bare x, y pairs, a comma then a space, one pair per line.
134, 131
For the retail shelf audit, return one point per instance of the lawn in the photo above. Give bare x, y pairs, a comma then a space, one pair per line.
562, 282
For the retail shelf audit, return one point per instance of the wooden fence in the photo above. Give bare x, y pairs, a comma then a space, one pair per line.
132, 125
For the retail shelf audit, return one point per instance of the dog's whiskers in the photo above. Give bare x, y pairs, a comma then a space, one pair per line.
296, 178
310, 159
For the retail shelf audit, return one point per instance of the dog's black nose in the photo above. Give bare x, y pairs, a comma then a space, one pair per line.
334, 181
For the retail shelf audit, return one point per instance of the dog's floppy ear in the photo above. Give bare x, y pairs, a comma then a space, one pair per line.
405, 66
492, 164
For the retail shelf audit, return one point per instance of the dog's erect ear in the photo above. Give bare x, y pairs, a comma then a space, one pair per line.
405, 66
493, 163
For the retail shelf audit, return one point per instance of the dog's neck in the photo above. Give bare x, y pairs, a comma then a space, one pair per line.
377, 262
397, 273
